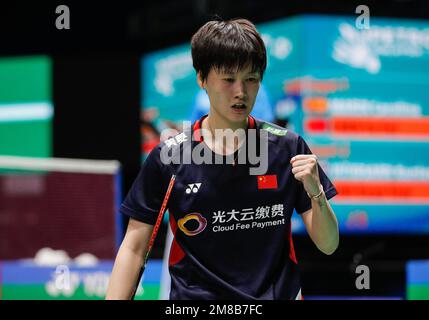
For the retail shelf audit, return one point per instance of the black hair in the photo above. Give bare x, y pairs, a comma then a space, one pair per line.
227, 46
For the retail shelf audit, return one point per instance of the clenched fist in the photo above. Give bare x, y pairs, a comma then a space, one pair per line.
304, 169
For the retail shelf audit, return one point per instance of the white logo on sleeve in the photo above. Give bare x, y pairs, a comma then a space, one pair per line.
193, 187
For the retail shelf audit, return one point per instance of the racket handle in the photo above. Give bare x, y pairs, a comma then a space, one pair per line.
138, 281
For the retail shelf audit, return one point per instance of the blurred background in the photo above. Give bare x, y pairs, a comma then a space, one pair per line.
82, 106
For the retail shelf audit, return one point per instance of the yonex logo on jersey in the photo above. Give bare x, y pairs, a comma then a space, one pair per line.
193, 188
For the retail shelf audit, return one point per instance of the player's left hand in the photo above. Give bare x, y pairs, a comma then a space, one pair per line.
304, 169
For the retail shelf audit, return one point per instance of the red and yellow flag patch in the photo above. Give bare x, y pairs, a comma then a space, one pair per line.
267, 182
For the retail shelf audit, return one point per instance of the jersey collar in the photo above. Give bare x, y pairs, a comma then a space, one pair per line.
251, 124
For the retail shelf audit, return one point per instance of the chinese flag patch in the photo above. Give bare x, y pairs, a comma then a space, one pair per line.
267, 182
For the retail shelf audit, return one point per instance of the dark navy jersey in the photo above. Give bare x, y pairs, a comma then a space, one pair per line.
232, 230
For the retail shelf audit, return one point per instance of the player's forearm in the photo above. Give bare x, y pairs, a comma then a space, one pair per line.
324, 226
124, 275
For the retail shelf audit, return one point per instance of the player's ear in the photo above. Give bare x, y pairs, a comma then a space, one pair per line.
200, 80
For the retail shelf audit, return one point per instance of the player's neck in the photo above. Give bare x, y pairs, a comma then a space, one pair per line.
218, 122
218, 141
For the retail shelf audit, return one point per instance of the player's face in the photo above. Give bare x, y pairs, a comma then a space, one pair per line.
232, 94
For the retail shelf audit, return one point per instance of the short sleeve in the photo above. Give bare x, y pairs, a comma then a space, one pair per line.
303, 202
144, 199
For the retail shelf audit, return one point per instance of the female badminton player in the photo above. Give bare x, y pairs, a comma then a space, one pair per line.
230, 201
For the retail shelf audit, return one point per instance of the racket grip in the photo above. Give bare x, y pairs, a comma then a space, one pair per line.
138, 281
